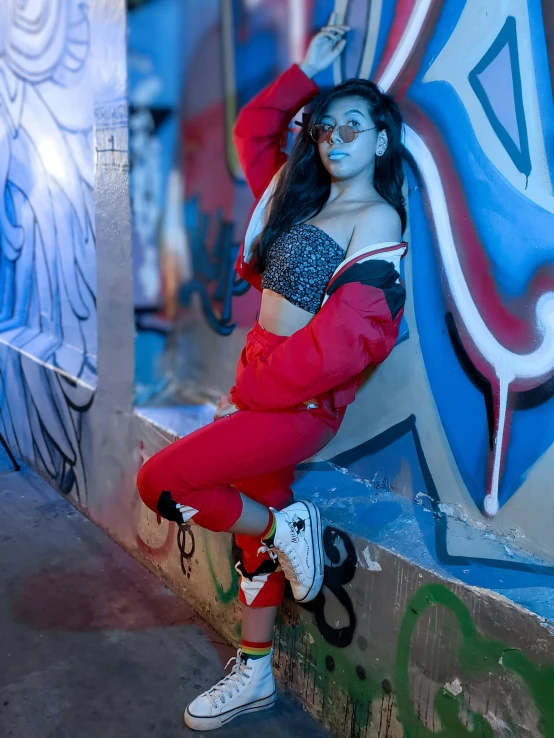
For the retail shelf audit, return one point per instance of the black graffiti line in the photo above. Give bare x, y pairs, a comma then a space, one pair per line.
48, 437
30, 407
214, 265
185, 294
88, 287
335, 577
9, 428
185, 556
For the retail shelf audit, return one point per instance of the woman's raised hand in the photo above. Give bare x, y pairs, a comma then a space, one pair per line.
324, 47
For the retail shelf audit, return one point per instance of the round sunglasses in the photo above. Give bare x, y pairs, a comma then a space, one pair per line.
323, 131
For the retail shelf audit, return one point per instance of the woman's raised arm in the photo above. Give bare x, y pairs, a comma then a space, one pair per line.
262, 122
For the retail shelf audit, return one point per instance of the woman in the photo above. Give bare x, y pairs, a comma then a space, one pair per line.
324, 247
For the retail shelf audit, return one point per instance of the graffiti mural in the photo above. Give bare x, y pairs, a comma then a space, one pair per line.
502, 317
426, 659
47, 270
213, 271
236, 50
477, 655
437, 490
155, 75
342, 557
48, 335
485, 311
480, 271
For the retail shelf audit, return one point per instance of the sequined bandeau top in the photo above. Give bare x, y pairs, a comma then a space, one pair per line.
300, 264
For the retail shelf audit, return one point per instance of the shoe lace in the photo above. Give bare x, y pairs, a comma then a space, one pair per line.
230, 683
287, 558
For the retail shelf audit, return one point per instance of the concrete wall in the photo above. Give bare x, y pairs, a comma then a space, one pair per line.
391, 648
433, 620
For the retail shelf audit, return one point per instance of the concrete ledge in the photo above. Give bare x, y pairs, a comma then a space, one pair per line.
398, 643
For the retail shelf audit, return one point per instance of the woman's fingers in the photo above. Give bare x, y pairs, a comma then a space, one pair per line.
335, 29
325, 46
338, 42
331, 36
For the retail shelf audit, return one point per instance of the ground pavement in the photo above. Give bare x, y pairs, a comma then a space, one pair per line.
91, 644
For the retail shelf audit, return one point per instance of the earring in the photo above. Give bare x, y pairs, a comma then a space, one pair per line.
380, 152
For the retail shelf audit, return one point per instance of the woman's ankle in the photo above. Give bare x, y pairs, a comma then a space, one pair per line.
269, 532
252, 650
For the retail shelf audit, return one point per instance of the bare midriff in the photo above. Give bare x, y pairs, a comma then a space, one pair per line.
281, 317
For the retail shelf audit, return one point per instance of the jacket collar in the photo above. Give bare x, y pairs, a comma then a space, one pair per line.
392, 251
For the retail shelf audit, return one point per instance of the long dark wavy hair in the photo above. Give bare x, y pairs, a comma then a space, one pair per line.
305, 184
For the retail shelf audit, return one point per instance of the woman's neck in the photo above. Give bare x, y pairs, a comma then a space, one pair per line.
357, 189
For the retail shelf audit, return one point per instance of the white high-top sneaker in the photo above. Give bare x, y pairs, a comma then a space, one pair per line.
297, 543
248, 687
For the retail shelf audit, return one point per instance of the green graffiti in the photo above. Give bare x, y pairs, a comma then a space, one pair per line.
225, 596
327, 667
477, 655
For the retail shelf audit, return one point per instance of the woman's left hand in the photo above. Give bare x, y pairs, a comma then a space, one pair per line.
225, 407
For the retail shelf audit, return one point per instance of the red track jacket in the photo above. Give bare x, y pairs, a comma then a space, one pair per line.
358, 323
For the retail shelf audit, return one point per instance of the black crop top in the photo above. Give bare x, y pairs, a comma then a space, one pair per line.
300, 264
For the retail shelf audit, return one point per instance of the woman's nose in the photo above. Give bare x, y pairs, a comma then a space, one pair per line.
334, 136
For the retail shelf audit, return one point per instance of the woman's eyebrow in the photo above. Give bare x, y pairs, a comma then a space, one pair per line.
355, 111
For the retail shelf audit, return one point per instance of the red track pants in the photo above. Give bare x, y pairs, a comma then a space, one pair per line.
250, 452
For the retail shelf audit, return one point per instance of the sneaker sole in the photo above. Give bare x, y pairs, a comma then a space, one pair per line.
317, 545
197, 722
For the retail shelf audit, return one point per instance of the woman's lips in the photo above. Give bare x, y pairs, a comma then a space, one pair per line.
335, 155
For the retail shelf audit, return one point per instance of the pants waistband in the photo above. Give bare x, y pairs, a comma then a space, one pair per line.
271, 340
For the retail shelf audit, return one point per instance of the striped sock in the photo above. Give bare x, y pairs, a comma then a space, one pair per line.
269, 532
251, 650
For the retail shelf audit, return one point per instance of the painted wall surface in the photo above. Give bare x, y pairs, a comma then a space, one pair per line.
425, 597
421, 659
48, 318
389, 648
427, 625
155, 81
462, 412
64, 320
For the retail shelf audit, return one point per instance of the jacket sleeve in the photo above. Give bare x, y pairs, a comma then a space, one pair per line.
351, 331
261, 123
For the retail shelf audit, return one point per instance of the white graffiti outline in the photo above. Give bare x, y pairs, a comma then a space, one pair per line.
508, 366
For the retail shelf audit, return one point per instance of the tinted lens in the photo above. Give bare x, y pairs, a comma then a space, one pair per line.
319, 133
347, 134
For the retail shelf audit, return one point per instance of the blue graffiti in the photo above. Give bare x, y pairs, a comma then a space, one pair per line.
47, 240
214, 278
